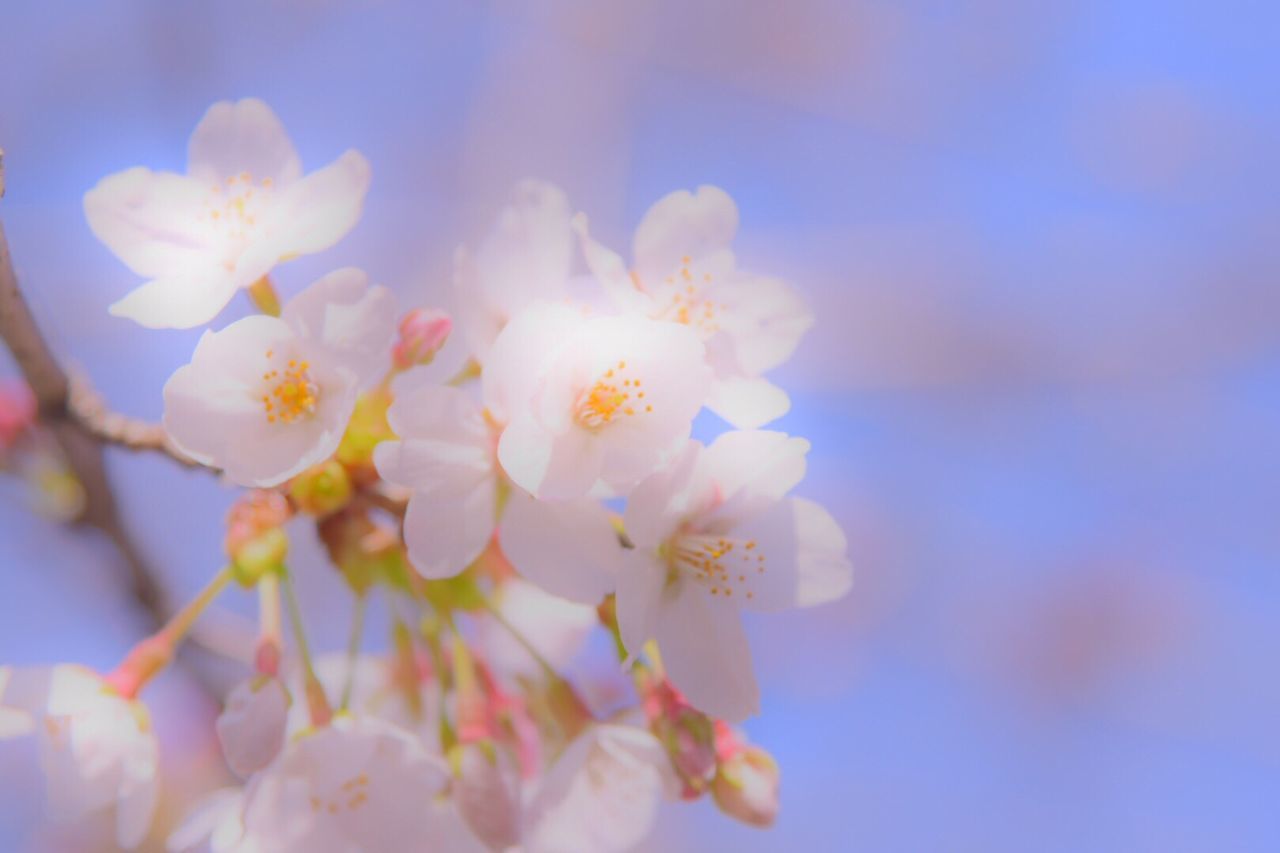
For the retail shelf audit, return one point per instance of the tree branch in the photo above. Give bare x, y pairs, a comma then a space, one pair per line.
79, 423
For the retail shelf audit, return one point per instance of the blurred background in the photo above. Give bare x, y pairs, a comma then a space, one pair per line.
1043, 392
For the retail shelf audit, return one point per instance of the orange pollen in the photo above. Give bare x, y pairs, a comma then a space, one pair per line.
289, 394
602, 403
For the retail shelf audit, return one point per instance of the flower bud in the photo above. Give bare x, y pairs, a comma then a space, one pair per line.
322, 489
487, 792
423, 332
252, 725
687, 734
17, 413
256, 541
746, 787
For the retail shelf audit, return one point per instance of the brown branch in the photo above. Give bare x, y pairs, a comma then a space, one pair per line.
90, 410
80, 444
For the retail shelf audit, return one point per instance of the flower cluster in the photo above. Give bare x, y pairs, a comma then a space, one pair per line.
549, 489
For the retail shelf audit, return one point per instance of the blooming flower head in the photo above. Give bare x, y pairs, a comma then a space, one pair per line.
525, 258
601, 795
685, 272
715, 533
358, 784
243, 206
96, 747
589, 399
265, 398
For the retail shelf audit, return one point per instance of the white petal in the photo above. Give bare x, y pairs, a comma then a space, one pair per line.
684, 224
139, 791
518, 357
601, 795
351, 320
251, 727
761, 465
181, 301
152, 221
320, 209
658, 505
747, 403
437, 413
611, 272
765, 318
213, 817
704, 649
825, 571
550, 466
640, 587
245, 136
447, 526
555, 627
569, 548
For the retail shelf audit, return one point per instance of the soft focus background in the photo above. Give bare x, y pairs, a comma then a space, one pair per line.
1043, 392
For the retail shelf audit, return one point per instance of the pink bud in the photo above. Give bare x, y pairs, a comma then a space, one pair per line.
423, 332
746, 787
17, 412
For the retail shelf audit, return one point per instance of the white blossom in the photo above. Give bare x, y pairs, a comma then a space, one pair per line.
685, 272
589, 399
243, 206
267, 397
96, 747
357, 785
715, 533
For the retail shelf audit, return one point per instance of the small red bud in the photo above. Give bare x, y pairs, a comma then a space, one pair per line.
423, 331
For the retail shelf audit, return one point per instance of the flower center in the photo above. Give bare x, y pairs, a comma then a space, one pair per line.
687, 305
289, 393
722, 563
234, 209
352, 794
614, 395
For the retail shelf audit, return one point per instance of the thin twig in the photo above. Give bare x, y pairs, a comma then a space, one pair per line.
80, 445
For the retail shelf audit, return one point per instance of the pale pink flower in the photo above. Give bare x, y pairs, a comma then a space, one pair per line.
685, 272
96, 747
714, 533
266, 398
243, 207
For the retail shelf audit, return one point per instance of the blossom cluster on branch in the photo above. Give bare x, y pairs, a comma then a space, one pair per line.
549, 489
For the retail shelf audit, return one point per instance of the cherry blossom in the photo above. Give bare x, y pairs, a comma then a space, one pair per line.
715, 534
685, 272
526, 257
96, 747
557, 628
587, 399
243, 207
601, 795
358, 784
265, 398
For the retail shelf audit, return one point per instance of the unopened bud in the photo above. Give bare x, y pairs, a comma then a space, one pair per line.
17, 412
252, 726
423, 331
746, 787
687, 734
322, 489
256, 541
